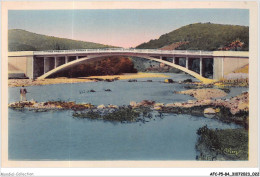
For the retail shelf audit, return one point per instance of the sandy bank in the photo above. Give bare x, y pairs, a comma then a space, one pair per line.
130, 76
202, 94
29, 82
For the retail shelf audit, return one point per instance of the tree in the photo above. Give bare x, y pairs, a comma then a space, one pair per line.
235, 45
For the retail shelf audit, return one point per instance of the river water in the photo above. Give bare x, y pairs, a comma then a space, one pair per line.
57, 135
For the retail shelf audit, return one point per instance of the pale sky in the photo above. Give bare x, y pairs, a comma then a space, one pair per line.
123, 28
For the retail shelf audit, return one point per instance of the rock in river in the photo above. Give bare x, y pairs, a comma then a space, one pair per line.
209, 111
101, 106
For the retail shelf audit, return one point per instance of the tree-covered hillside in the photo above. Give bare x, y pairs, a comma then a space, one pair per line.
107, 66
21, 40
202, 36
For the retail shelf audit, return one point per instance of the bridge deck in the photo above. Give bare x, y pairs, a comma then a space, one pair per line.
189, 53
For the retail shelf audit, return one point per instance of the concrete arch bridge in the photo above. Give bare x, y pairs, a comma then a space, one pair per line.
41, 64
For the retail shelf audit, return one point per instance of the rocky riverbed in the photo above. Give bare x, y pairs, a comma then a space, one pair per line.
228, 110
235, 104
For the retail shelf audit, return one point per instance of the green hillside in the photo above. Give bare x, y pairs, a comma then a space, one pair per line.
201, 36
21, 40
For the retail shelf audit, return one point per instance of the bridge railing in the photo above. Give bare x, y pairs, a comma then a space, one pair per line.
114, 50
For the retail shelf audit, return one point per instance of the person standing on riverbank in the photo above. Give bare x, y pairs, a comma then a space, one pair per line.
23, 92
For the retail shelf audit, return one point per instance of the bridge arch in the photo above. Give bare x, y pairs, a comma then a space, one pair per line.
83, 60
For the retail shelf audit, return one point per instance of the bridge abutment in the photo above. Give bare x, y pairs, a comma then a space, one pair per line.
225, 65
29, 70
21, 65
218, 71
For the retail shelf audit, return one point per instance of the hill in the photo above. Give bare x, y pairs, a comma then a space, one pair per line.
201, 36
21, 40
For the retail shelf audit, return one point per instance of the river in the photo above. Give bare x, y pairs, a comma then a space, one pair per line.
57, 135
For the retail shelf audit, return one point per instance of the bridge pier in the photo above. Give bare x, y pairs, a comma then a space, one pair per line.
187, 63
66, 59
44, 63
55, 62
201, 66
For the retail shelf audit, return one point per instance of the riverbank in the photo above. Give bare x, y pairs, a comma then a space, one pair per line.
30, 82
63, 80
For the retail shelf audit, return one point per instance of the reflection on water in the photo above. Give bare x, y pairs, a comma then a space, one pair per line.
56, 135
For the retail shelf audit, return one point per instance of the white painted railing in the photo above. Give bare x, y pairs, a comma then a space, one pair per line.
123, 50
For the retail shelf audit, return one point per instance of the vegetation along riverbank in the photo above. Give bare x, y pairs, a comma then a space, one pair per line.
227, 144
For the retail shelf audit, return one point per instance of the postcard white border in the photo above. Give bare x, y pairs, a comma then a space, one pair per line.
253, 81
